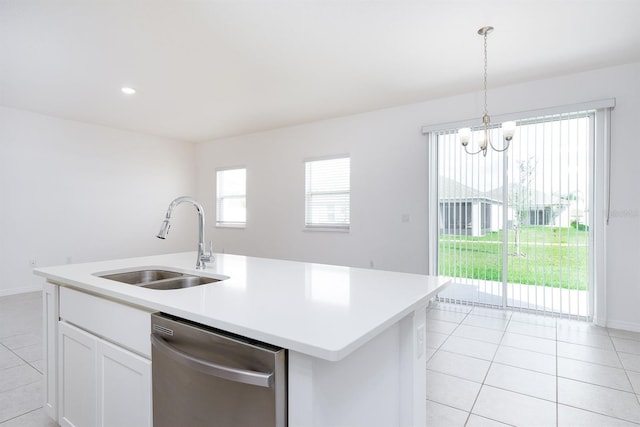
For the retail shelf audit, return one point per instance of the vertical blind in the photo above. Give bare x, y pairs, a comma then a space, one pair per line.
231, 197
327, 192
514, 227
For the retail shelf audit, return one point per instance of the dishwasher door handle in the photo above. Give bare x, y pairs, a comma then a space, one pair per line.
260, 379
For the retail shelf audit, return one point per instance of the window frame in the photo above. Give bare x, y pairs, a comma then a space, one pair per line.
220, 199
329, 226
600, 168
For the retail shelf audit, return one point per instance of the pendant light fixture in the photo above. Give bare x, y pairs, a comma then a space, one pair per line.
508, 128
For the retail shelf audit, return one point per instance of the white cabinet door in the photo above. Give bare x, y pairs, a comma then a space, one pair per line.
77, 363
101, 384
124, 387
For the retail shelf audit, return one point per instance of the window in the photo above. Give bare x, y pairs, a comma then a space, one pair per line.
535, 247
327, 193
231, 205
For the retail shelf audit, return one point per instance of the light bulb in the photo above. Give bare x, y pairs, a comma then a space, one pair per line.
483, 139
508, 130
465, 135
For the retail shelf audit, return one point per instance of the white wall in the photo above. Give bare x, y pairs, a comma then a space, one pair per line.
389, 179
387, 172
79, 192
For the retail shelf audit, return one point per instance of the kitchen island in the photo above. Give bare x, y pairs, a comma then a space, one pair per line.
355, 337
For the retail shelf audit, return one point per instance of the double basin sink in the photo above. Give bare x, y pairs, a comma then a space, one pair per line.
158, 279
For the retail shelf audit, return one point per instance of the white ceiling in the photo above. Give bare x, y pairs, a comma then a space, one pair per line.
211, 68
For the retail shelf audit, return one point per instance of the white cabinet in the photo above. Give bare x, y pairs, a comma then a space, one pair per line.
97, 367
101, 384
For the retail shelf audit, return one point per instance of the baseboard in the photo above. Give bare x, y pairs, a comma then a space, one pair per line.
20, 290
599, 321
625, 326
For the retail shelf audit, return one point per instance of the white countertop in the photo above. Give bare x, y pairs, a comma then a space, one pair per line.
324, 311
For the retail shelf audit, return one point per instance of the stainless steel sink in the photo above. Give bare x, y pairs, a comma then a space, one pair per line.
140, 277
180, 282
158, 279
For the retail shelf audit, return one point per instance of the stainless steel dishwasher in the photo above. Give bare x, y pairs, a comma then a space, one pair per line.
206, 377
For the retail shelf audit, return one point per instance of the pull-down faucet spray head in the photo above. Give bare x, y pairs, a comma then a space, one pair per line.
164, 229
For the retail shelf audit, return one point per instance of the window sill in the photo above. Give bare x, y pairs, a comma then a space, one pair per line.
327, 229
237, 226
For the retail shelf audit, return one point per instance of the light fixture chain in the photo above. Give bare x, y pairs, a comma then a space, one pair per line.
486, 111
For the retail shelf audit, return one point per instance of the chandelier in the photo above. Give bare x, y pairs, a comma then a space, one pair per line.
508, 128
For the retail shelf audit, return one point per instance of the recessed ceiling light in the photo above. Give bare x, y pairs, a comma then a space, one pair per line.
128, 90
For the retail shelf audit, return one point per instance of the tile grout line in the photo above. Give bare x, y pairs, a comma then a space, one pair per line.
557, 344
558, 377
35, 330
25, 362
599, 413
488, 370
626, 373
596, 363
20, 386
452, 331
18, 416
443, 342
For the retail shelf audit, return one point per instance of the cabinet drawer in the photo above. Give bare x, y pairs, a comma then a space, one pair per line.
119, 323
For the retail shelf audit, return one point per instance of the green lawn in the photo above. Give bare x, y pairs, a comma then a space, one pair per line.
558, 259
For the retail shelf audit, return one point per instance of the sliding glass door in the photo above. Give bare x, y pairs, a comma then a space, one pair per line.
514, 227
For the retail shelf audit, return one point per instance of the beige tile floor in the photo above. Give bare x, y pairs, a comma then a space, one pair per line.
490, 367
21, 361
485, 368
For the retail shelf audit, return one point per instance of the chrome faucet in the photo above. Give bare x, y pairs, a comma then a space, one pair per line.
203, 257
